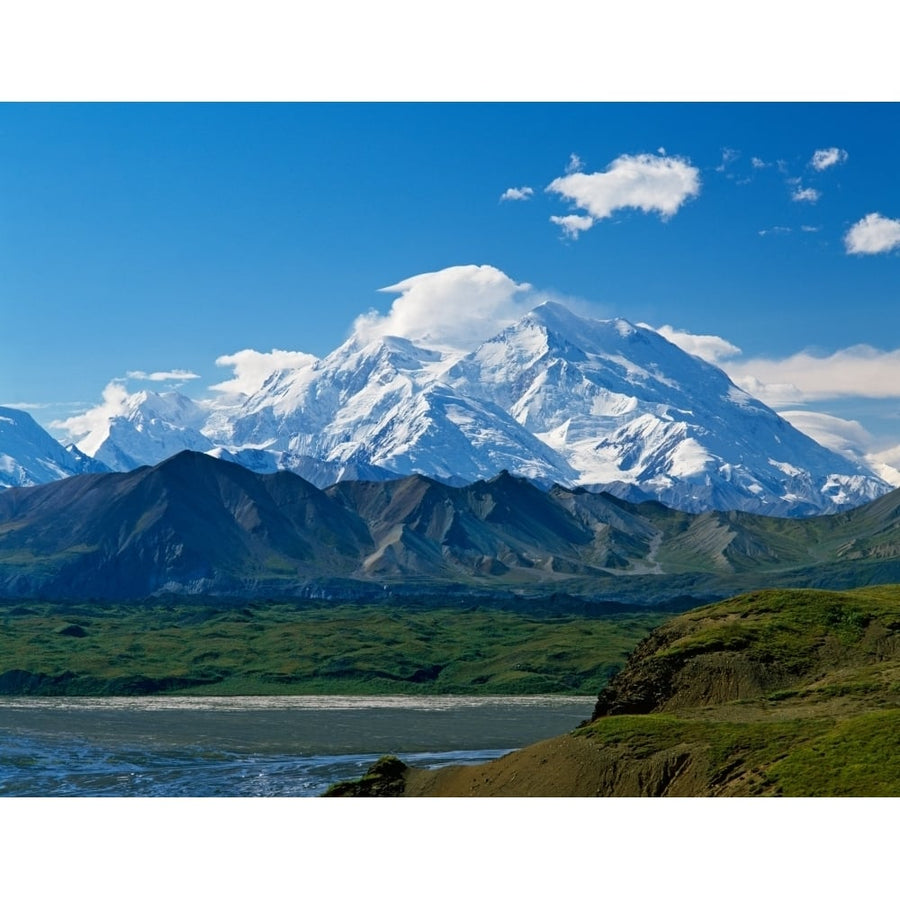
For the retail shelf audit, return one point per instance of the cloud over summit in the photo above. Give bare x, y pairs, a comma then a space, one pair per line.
252, 368
454, 308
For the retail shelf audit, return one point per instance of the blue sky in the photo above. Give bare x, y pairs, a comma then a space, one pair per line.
154, 238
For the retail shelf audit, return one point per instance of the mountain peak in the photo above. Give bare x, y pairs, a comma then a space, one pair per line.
29, 455
582, 331
555, 397
555, 313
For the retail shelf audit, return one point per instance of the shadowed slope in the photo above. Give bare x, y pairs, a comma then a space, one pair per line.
199, 524
191, 523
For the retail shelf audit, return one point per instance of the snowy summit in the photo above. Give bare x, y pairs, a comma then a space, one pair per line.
554, 397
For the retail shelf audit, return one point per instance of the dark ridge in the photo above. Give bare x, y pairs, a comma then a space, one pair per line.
197, 526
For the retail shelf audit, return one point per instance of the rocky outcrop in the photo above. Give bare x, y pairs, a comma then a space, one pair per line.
386, 777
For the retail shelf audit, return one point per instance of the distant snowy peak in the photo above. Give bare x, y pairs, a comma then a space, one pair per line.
554, 397
384, 405
149, 428
554, 370
624, 406
310, 397
29, 455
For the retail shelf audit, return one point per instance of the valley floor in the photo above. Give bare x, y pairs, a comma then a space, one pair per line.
214, 649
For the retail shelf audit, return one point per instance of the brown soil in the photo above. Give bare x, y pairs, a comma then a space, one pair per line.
569, 766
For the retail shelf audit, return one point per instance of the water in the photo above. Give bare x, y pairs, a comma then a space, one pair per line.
253, 746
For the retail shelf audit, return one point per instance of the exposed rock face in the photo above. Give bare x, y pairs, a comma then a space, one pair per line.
658, 679
386, 777
570, 766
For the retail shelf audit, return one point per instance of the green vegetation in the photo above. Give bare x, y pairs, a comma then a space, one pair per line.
778, 692
826, 639
278, 648
799, 756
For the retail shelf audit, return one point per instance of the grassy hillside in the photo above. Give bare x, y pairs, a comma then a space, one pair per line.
779, 692
283, 649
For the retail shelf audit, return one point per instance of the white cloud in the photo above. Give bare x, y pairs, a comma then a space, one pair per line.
757, 163
710, 347
514, 193
889, 456
572, 225
728, 156
775, 229
886, 463
659, 184
859, 371
574, 164
823, 159
454, 308
874, 233
95, 421
811, 228
172, 375
849, 438
844, 436
806, 195
774, 394
252, 368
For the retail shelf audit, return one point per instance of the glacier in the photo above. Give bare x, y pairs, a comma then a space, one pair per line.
29, 455
555, 397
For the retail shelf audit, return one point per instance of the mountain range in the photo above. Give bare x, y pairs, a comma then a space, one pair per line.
29, 455
195, 524
556, 398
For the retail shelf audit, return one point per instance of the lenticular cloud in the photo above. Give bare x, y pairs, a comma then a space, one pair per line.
456, 308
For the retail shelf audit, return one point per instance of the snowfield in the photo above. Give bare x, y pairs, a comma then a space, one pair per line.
555, 397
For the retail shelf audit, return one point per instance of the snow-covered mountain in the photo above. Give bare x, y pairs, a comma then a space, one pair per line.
29, 455
150, 428
387, 403
624, 406
555, 398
